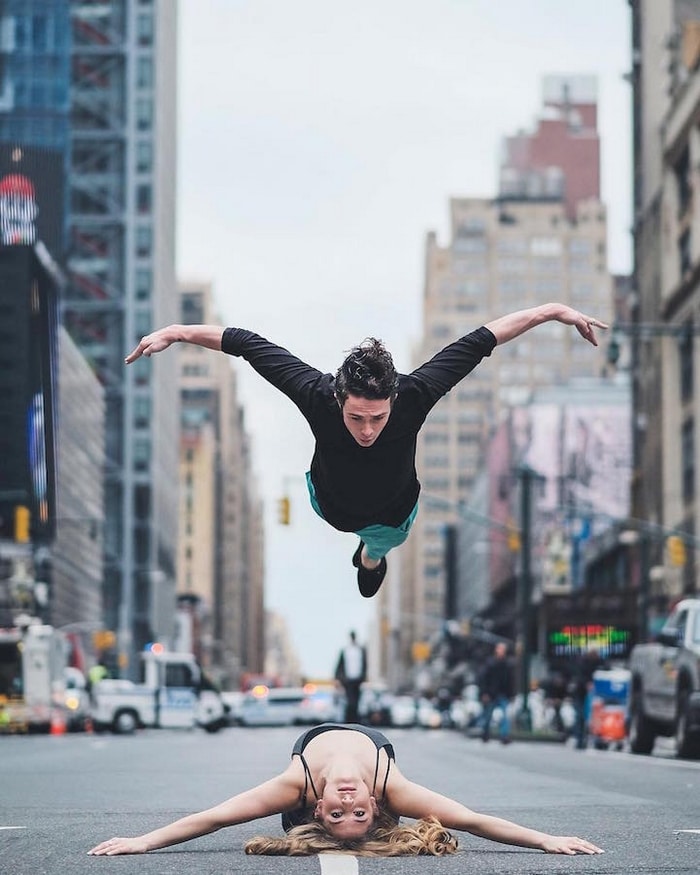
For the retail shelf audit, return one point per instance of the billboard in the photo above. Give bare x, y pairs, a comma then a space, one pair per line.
31, 197
28, 367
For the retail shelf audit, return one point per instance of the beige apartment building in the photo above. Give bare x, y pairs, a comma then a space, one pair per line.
220, 563
664, 331
530, 245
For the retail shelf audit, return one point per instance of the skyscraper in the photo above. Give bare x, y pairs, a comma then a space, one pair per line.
98, 81
220, 567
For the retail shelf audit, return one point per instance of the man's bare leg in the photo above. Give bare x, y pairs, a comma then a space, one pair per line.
367, 562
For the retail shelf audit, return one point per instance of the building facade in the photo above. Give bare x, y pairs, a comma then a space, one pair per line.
97, 82
220, 568
76, 553
532, 244
664, 330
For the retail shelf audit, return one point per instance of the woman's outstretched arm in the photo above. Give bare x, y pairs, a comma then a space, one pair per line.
274, 796
412, 800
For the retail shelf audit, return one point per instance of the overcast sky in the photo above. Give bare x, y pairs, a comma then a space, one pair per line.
319, 142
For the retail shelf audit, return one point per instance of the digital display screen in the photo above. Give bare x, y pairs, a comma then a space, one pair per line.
31, 197
609, 641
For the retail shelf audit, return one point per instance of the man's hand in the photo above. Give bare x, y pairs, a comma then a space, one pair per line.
156, 341
584, 324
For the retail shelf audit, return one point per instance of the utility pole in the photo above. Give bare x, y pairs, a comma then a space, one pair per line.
526, 476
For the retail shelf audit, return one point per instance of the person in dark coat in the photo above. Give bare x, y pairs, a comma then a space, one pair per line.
351, 673
581, 688
496, 690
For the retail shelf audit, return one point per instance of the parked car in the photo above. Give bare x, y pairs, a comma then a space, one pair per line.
321, 704
665, 699
375, 705
429, 715
233, 701
403, 711
271, 706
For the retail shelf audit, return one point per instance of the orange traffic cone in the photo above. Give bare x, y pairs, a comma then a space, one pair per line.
58, 722
89, 728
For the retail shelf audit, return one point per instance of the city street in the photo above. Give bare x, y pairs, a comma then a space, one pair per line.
61, 795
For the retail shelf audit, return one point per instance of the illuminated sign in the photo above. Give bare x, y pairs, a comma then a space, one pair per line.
573, 640
31, 197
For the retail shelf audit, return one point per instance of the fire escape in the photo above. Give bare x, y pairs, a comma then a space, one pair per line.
94, 302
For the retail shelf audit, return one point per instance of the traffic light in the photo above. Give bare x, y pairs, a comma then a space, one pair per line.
22, 524
283, 511
513, 540
676, 550
613, 351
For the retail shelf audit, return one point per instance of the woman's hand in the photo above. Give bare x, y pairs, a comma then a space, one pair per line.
116, 846
569, 845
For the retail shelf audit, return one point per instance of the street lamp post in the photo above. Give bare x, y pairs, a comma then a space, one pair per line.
526, 476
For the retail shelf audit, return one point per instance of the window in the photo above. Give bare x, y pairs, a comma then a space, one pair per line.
144, 240
143, 199
688, 460
141, 369
684, 190
684, 253
143, 284
545, 247
142, 411
144, 114
685, 354
178, 675
144, 29
142, 323
142, 454
144, 156
144, 72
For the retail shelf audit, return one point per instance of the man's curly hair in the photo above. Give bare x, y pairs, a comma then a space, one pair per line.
368, 372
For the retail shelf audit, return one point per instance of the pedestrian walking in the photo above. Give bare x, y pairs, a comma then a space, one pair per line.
581, 687
343, 791
496, 691
365, 419
351, 673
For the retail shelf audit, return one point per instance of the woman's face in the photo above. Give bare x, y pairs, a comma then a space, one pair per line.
347, 811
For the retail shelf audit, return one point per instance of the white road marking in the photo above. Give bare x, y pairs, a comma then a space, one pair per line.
677, 832
338, 864
13, 827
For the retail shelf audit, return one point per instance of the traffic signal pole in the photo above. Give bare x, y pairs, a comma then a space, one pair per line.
526, 476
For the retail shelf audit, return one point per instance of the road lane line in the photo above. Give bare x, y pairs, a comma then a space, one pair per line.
677, 832
338, 864
13, 827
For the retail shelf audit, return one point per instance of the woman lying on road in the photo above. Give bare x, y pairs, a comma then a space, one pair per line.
344, 792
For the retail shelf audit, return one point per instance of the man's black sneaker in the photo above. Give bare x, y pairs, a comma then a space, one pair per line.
370, 579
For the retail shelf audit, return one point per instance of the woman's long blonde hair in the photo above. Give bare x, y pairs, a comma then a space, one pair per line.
385, 839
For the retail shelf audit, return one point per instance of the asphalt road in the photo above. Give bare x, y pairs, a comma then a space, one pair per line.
59, 796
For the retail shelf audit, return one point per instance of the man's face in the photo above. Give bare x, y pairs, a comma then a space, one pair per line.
365, 419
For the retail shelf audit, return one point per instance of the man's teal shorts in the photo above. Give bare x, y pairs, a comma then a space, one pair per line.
378, 539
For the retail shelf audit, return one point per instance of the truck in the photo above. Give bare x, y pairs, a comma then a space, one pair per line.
173, 693
32, 677
665, 684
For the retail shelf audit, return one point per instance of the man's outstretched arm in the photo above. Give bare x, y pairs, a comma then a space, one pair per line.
513, 325
208, 336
